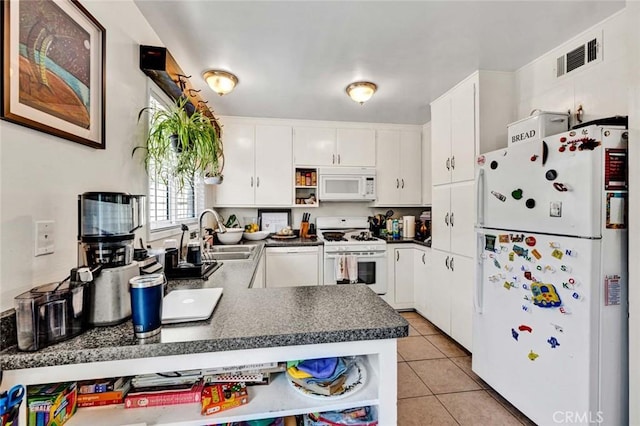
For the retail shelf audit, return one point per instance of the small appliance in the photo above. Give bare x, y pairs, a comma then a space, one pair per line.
53, 312
347, 184
550, 297
106, 225
348, 242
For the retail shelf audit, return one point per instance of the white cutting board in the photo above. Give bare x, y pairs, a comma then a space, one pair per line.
189, 305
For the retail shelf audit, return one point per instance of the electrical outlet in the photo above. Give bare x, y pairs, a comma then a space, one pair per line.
193, 235
44, 237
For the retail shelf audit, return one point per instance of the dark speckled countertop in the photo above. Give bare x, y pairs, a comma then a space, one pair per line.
279, 317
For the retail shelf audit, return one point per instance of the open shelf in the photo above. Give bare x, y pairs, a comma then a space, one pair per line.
277, 399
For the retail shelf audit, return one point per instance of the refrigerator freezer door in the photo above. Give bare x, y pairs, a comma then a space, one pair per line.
516, 190
535, 330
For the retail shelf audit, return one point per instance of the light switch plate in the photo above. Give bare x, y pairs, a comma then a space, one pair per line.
44, 237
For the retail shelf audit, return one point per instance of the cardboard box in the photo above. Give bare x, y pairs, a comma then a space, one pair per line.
218, 397
51, 404
537, 126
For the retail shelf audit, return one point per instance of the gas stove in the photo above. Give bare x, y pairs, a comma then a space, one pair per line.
347, 234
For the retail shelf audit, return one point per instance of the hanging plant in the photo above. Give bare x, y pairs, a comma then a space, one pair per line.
184, 145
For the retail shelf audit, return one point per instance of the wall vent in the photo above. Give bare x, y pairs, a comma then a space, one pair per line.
585, 53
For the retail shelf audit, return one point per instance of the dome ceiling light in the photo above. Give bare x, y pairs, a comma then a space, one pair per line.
361, 91
221, 82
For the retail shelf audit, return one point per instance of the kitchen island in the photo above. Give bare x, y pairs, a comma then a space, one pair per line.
248, 326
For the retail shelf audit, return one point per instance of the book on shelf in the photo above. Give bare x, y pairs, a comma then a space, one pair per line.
100, 403
154, 397
101, 385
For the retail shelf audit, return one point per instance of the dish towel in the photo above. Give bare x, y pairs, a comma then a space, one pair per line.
341, 268
352, 269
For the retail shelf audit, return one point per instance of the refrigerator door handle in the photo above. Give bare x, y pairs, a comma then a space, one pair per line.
479, 281
480, 197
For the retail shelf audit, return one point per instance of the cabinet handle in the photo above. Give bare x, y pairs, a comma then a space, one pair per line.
338, 158
423, 255
258, 184
252, 181
446, 219
402, 183
397, 183
446, 262
451, 219
397, 255
453, 162
333, 159
451, 264
448, 162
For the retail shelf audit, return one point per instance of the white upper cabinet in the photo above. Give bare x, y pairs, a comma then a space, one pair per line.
314, 146
356, 148
327, 146
398, 167
467, 121
426, 164
258, 166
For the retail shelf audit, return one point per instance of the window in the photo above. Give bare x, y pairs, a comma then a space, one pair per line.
169, 205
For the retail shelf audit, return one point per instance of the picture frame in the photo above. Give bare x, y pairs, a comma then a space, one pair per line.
273, 220
53, 67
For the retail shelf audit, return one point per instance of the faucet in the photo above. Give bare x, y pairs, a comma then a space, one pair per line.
221, 228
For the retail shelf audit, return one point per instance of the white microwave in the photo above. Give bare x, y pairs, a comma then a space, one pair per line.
347, 184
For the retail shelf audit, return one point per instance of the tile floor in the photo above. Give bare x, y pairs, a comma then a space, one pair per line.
437, 387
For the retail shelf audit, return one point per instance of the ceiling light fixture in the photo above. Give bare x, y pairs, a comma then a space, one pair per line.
361, 91
221, 82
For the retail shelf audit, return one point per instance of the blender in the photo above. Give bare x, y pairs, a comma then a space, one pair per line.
106, 225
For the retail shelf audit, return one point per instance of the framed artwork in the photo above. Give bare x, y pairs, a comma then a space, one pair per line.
273, 220
53, 68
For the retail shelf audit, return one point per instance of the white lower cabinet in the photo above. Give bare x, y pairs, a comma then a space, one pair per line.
421, 277
293, 266
403, 277
450, 295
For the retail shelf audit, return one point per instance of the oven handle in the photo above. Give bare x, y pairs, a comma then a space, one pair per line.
366, 256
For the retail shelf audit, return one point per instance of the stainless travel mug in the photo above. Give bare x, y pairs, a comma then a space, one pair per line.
147, 292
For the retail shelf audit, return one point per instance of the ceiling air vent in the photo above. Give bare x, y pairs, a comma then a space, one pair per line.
586, 53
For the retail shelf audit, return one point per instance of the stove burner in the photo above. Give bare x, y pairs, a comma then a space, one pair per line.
334, 236
364, 236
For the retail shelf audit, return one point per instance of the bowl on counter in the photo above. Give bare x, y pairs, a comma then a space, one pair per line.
232, 236
255, 236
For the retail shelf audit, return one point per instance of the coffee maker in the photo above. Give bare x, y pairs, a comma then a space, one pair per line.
106, 222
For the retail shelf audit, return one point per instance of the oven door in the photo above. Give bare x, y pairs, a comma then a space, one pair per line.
372, 269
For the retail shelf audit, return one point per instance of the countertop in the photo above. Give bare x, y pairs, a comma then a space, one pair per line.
244, 318
293, 242
407, 241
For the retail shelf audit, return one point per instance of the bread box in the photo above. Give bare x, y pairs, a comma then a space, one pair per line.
536, 126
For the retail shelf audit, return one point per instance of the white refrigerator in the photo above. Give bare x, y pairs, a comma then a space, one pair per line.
550, 295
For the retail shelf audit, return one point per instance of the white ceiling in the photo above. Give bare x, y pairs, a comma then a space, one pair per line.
294, 59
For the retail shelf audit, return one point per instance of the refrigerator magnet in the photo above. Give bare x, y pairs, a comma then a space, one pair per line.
530, 241
557, 254
558, 328
536, 254
532, 355
524, 327
553, 342
490, 242
514, 334
503, 238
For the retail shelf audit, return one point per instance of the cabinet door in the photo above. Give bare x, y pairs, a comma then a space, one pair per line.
403, 275
439, 291
314, 146
421, 276
441, 141
410, 168
239, 178
462, 217
291, 266
440, 211
463, 131
462, 269
274, 166
258, 277
388, 167
426, 164
356, 147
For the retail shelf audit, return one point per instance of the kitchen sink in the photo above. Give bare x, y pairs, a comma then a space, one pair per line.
230, 252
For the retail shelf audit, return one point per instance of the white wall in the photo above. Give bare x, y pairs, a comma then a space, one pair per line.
41, 175
605, 89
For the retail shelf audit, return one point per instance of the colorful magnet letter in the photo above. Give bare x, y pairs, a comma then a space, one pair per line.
525, 308
553, 342
554, 245
516, 194
564, 310
512, 256
499, 196
524, 327
525, 287
545, 295
565, 268
558, 328
504, 238
557, 254
536, 254
516, 238
575, 295
508, 268
530, 241
528, 275
496, 263
532, 356
571, 253
514, 334
550, 268
507, 285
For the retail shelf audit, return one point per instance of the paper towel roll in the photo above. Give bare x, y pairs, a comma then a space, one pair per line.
409, 226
